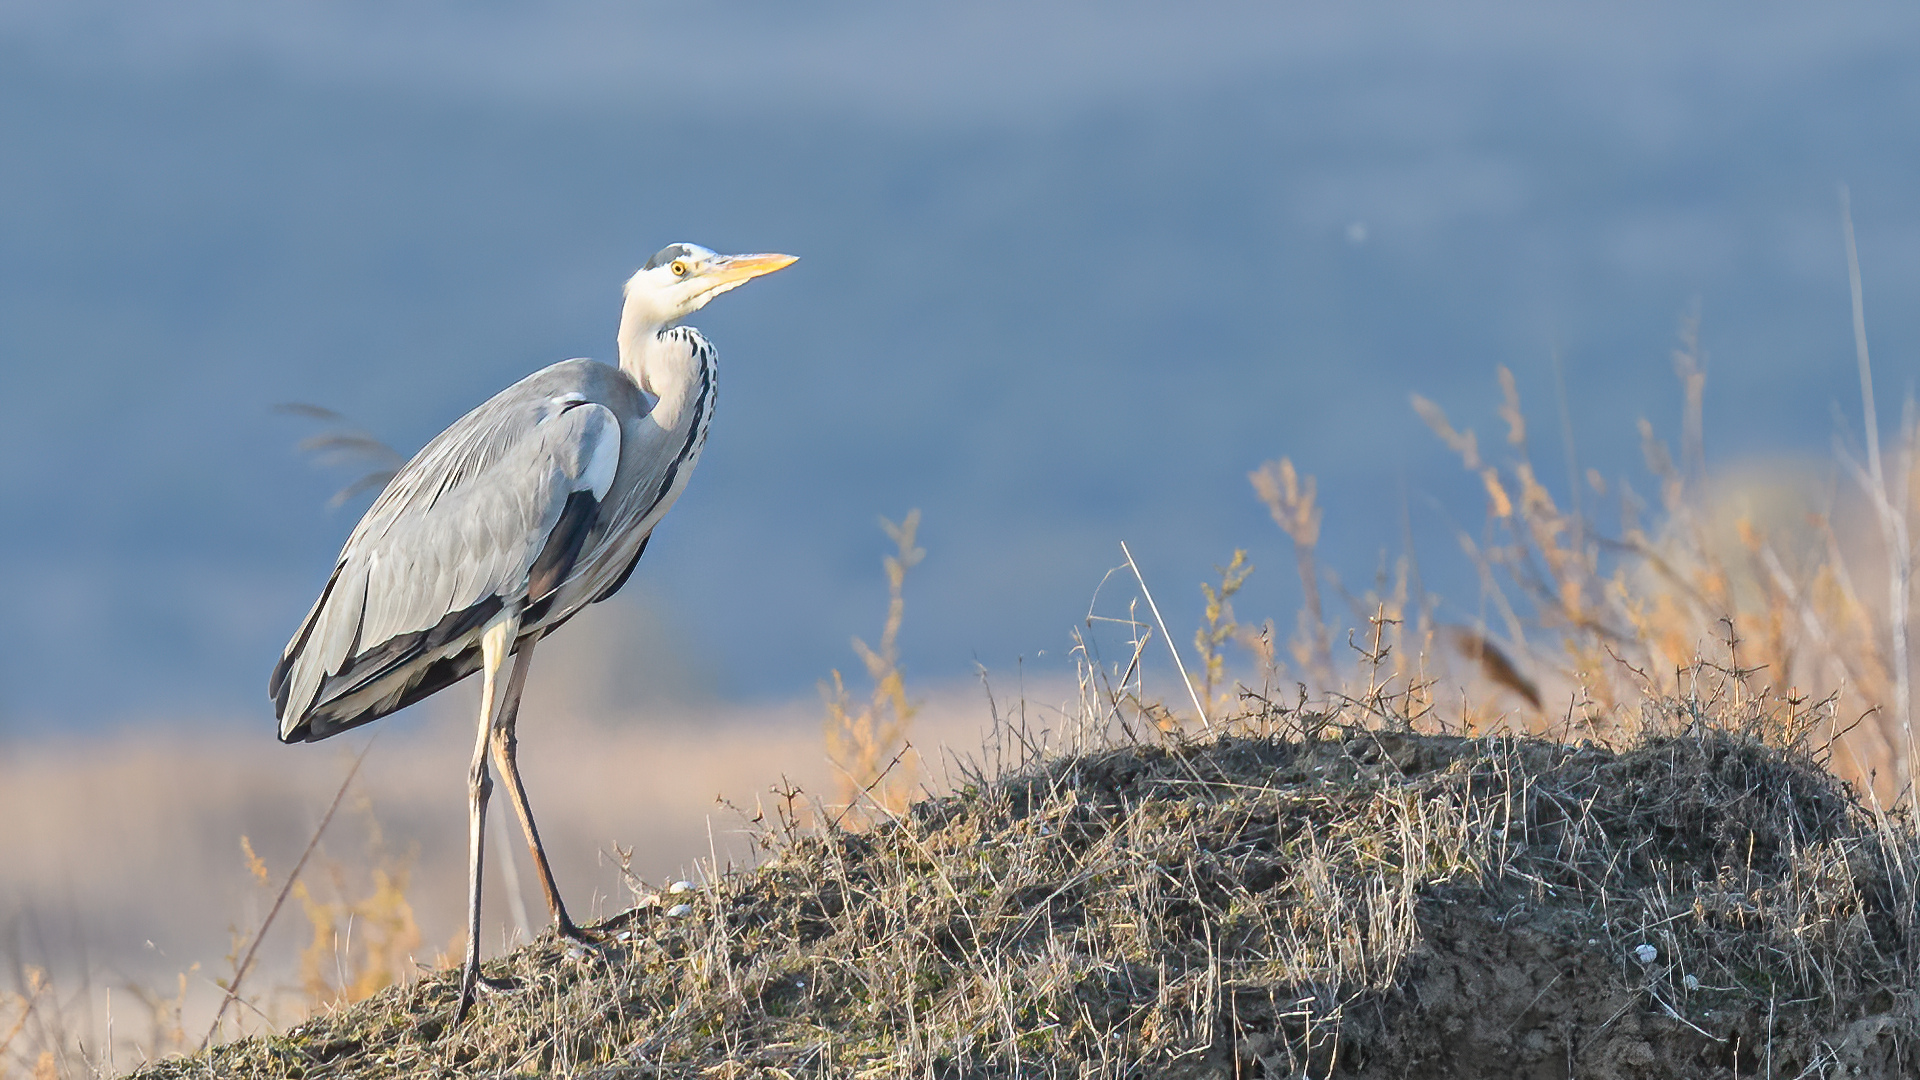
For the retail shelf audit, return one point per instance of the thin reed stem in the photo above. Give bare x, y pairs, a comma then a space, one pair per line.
246, 961
1155, 608
1893, 525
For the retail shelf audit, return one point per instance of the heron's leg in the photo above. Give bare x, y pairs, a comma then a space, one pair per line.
494, 643
506, 745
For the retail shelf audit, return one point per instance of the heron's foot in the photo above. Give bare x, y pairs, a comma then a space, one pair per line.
472, 983
565, 929
468, 981
610, 929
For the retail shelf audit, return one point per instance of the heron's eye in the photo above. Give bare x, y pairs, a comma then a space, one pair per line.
679, 268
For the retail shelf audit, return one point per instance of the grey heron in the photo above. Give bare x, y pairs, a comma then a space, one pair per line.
527, 509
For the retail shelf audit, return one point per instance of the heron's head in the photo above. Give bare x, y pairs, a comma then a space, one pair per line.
681, 278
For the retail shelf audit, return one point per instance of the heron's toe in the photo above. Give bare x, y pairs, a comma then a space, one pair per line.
568, 932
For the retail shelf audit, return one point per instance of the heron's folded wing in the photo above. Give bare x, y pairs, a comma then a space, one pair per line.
454, 539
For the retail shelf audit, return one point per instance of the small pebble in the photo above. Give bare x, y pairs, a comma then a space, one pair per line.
1690, 982
678, 910
679, 887
1646, 954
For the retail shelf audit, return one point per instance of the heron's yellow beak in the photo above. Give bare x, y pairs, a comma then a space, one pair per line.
734, 269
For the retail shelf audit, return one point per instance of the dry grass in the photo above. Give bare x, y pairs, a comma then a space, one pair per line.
1293, 503
359, 944
1309, 892
1210, 641
1580, 621
867, 741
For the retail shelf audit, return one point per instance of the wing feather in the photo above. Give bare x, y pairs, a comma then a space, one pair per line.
455, 536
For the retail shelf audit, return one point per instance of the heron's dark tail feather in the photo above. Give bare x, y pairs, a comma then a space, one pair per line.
330, 719
387, 677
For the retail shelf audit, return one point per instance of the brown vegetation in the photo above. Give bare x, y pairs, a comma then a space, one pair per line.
1306, 893
867, 741
1580, 624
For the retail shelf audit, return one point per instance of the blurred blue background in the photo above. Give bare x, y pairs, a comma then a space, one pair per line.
1068, 272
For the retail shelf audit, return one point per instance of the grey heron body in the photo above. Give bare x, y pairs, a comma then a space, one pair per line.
504, 526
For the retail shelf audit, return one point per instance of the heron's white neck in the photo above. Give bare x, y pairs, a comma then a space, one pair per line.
664, 364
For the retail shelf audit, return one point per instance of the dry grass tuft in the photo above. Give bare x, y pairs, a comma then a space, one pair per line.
1582, 620
1292, 501
1210, 641
867, 740
363, 935
1606, 619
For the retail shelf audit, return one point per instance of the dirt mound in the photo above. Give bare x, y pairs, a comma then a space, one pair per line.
1348, 903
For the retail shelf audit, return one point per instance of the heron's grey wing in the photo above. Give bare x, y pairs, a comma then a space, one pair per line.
470, 443
499, 504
